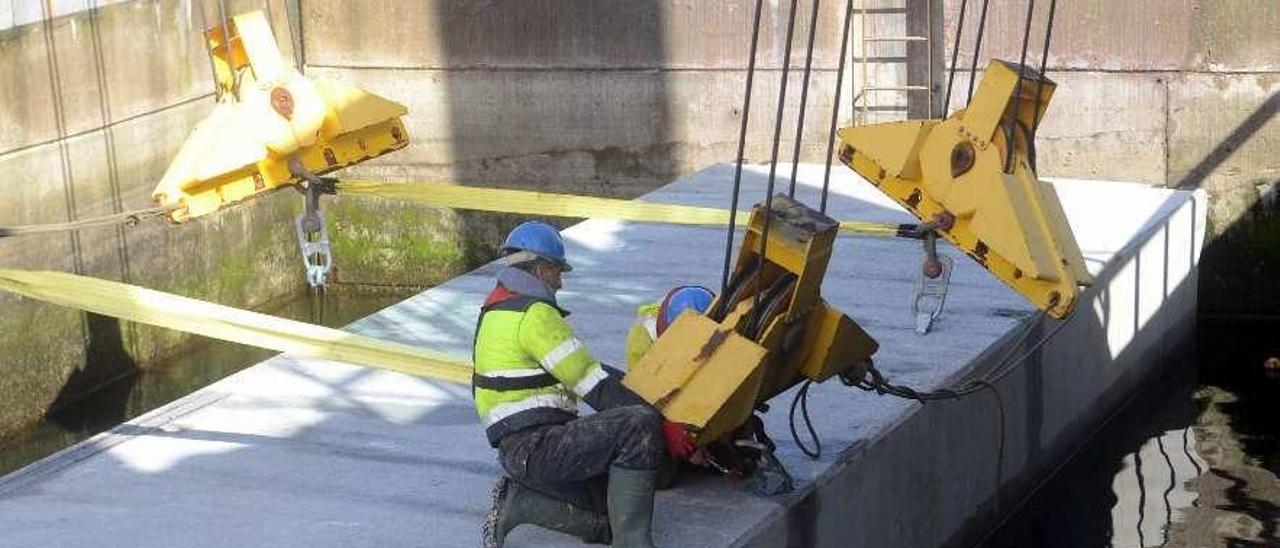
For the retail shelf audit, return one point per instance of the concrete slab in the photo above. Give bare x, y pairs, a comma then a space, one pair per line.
308, 452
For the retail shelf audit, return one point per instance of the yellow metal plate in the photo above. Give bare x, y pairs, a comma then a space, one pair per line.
700, 374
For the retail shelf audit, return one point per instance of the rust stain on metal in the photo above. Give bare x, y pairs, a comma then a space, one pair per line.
846, 155
913, 201
661, 403
711, 345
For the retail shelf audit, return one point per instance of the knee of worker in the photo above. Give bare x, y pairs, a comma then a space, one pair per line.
644, 427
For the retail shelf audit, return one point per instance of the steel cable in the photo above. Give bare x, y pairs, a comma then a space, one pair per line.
835, 106
742, 142
126, 218
804, 97
977, 49
773, 156
955, 52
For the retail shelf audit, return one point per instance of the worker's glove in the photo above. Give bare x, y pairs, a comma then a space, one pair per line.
680, 443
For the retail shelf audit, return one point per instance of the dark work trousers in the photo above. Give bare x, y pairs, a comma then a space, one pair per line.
570, 461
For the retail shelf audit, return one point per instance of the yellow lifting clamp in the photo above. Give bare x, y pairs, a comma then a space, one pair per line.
268, 114
972, 179
768, 331
274, 127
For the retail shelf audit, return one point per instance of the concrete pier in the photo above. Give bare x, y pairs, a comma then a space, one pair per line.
302, 452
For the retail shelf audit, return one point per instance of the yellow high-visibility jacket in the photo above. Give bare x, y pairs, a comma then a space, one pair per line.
530, 369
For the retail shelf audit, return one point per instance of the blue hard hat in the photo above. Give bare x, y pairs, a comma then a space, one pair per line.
538, 238
683, 298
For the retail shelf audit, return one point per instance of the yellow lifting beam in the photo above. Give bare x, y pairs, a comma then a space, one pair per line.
768, 331
267, 115
971, 178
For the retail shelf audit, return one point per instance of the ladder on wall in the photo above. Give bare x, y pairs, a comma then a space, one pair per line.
862, 101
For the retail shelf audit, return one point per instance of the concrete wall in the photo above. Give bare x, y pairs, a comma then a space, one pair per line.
93, 105
1172, 93
579, 96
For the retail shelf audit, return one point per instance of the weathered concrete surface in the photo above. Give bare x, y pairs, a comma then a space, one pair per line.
297, 451
93, 105
1144, 36
1181, 94
526, 91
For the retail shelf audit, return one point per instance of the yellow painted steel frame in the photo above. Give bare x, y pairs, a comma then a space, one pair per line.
960, 174
267, 115
710, 371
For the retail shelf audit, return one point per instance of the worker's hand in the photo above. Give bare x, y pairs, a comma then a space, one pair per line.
680, 443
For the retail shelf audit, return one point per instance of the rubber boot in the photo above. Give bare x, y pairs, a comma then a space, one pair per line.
514, 504
631, 506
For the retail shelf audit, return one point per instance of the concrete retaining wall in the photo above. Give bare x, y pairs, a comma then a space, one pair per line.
93, 105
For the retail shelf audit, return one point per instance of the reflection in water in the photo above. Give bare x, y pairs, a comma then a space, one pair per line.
1151, 488
162, 383
1191, 462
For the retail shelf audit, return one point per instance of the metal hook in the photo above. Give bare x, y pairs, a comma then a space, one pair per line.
313, 235
932, 286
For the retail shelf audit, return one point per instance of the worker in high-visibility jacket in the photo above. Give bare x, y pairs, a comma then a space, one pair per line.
594, 476
652, 319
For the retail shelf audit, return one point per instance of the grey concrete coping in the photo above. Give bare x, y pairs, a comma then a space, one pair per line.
303, 452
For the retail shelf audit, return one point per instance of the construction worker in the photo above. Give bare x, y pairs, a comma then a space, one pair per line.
652, 319
592, 477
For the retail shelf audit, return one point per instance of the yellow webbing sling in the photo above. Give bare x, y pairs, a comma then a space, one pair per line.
142, 305
563, 205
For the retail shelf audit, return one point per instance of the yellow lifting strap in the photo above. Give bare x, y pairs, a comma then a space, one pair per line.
565, 205
148, 306
972, 178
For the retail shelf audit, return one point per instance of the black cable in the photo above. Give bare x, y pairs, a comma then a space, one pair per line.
835, 106
226, 30
977, 49
804, 97
742, 142
955, 52
1017, 93
802, 398
1044, 68
773, 157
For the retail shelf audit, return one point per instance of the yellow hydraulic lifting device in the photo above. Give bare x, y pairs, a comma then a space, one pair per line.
274, 127
971, 178
770, 330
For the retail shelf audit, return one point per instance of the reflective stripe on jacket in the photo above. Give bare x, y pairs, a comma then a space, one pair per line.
530, 369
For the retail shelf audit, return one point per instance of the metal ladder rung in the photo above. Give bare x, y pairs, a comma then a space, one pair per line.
896, 39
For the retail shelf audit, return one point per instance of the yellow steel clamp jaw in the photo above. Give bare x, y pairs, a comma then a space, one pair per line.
973, 176
269, 115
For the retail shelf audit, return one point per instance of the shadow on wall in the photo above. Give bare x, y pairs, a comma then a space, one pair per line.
558, 95
1246, 253
106, 380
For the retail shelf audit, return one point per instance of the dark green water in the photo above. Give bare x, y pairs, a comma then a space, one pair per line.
1191, 462
162, 383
